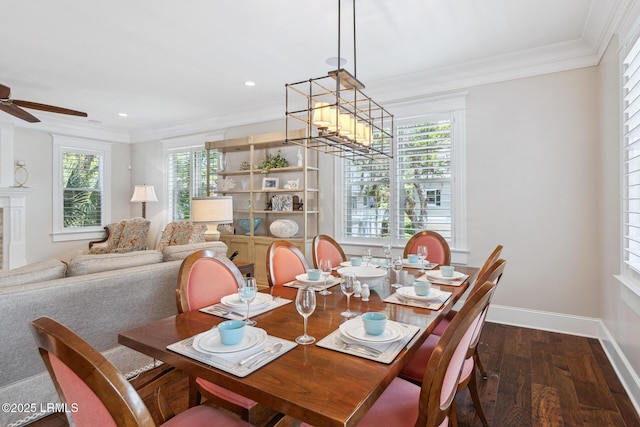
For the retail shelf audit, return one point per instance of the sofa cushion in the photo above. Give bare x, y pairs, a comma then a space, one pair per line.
86, 264
32, 273
179, 252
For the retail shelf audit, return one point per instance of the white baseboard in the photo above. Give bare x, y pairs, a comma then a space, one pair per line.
574, 325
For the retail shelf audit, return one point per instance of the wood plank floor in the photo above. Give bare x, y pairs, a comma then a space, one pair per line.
536, 378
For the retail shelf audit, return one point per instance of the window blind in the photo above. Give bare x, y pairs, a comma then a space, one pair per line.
631, 172
82, 189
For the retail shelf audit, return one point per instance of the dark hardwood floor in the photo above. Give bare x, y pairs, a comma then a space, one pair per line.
536, 378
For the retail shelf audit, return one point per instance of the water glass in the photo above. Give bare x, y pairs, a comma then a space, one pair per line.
422, 255
387, 254
348, 286
366, 256
306, 305
247, 293
325, 268
396, 265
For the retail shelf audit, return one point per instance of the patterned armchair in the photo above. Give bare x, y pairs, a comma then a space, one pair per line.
181, 233
125, 236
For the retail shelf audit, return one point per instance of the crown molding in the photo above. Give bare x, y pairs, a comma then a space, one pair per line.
60, 125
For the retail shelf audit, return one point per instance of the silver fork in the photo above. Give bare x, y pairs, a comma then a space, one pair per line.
363, 348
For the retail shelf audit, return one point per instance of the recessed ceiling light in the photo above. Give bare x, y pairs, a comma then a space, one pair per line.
249, 83
94, 121
123, 114
333, 61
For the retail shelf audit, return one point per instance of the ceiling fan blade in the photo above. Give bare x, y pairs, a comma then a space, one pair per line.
50, 108
14, 110
4, 92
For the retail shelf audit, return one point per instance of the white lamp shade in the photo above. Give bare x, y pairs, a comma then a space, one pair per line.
212, 209
144, 193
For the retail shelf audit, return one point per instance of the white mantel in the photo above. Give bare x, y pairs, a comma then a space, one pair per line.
13, 202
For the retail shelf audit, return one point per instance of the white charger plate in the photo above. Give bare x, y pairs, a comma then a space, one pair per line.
354, 329
261, 300
409, 292
209, 342
437, 274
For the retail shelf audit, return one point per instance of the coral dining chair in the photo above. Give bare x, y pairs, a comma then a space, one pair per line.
95, 390
284, 262
432, 403
324, 247
205, 277
439, 251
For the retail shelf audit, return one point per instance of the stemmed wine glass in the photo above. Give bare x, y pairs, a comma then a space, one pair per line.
366, 256
396, 265
348, 285
305, 304
422, 255
325, 269
247, 292
387, 254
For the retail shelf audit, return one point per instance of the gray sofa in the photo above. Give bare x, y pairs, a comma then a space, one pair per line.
96, 305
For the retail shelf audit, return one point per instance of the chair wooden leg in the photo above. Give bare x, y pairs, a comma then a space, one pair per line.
475, 397
194, 394
453, 414
476, 360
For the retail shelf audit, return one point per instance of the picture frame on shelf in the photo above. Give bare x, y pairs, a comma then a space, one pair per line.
270, 183
282, 202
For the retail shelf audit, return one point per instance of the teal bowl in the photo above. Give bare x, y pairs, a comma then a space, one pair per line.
231, 331
245, 224
374, 323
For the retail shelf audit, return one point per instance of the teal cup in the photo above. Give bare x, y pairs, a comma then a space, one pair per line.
422, 288
313, 274
413, 258
447, 270
231, 331
374, 323
356, 261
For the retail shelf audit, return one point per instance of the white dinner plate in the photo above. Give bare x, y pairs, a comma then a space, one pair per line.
437, 274
409, 292
209, 342
354, 329
305, 279
427, 265
261, 300
345, 264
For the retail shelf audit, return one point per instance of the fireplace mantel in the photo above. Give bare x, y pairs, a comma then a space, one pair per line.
13, 202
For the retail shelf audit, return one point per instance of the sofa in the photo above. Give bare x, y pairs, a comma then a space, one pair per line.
96, 296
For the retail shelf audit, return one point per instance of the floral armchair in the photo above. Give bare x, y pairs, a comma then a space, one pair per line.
181, 233
125, 236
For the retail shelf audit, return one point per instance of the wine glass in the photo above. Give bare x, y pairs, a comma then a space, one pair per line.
325, 269
387, 254
366, 256
305, 304
348, 285
247, 293
396, 265
422, 255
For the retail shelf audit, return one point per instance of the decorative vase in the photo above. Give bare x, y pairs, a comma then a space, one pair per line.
245, 224
284, 228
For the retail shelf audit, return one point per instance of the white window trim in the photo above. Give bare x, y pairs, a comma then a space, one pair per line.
78, 145
455, 104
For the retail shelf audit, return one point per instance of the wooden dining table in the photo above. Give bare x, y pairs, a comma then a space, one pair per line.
319, 386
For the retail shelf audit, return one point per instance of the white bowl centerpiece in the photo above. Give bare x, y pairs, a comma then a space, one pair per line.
372, 276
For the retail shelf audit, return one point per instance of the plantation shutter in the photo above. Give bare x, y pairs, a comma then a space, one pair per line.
187, 178
631, 142
82, 189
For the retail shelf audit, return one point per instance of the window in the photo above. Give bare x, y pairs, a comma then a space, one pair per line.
421, 188
187, 178
81, 188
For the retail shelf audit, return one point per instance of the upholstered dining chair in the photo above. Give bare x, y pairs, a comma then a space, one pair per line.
439, 251
284, 262
324, 247
97, 392
204, 278
432, 402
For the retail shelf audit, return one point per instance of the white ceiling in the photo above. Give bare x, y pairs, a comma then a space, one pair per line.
182, 64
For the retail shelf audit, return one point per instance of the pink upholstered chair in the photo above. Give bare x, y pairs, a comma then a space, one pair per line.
493, 257
99, 394
432, 402
284, 262
438, 247
204, 278
324, 247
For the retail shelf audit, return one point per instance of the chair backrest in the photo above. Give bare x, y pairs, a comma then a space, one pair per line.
491, 274
204, 278
324, 247
284, 262
95, 390
440, 381
495, 255
438, 247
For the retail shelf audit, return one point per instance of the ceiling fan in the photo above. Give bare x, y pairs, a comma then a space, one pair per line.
12, 106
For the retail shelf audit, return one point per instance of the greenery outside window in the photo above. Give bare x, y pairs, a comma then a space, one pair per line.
80, 188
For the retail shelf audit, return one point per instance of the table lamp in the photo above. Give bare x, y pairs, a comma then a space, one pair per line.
144, 193
212, 211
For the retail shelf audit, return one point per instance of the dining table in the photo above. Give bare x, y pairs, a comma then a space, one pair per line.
316, 384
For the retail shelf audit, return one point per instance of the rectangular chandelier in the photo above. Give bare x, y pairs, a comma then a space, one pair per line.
338, 118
